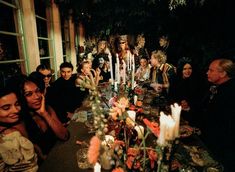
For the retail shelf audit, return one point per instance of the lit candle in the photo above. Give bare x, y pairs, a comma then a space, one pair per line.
97, 167
128, 60
175, 111
124, 71
118, 69
135, 99
170, 128
111, 67
115, 86
161, 139
133, 72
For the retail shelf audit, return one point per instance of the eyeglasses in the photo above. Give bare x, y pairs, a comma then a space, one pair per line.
48, 76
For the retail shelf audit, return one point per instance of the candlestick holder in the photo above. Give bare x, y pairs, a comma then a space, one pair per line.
166, 154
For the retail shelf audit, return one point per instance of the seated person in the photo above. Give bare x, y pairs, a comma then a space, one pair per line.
101, 62
16, 151
140, 50
42, 123
64, 97
161, 73
85, 79
183, 89
142, 73
46, 72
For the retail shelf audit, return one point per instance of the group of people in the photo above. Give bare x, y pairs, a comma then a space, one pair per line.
36, 110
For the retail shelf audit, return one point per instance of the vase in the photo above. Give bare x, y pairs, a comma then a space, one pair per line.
106, 159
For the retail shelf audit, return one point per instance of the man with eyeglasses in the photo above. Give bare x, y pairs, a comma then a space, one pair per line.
218, 117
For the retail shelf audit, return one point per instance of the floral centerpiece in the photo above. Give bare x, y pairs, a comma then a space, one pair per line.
120, 141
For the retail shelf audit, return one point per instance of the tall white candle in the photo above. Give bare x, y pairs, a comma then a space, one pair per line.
128, 60
133, 72
97, 167
161, 139
124, 71
133, 61
111, 67
170, 128
175, 111
118, 69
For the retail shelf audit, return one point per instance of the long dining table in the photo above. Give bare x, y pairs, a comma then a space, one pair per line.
189, 153
63, 156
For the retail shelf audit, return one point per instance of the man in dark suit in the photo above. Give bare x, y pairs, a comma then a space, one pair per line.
64, 96
219, 115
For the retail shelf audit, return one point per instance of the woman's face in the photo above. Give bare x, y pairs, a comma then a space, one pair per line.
32, 95
9, 108
47, 76
123, 45
187, 70
143, 63
86, 69
142, 42
102, 45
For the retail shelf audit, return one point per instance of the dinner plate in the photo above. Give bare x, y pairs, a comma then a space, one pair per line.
186, 131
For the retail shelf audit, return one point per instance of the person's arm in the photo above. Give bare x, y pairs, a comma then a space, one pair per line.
85, 82
52, 120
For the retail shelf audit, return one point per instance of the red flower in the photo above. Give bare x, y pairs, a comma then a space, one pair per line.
131, 161
153, 126
152, 157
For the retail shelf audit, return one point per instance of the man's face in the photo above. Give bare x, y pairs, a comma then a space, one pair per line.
214, 73
162, 42
154, 61
66, 73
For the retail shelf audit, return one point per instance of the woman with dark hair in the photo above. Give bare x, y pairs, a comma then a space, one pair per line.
46, 72
41, 121
143, 72
16, 151
186, 89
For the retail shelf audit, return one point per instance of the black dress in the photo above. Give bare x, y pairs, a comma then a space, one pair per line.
188, 89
